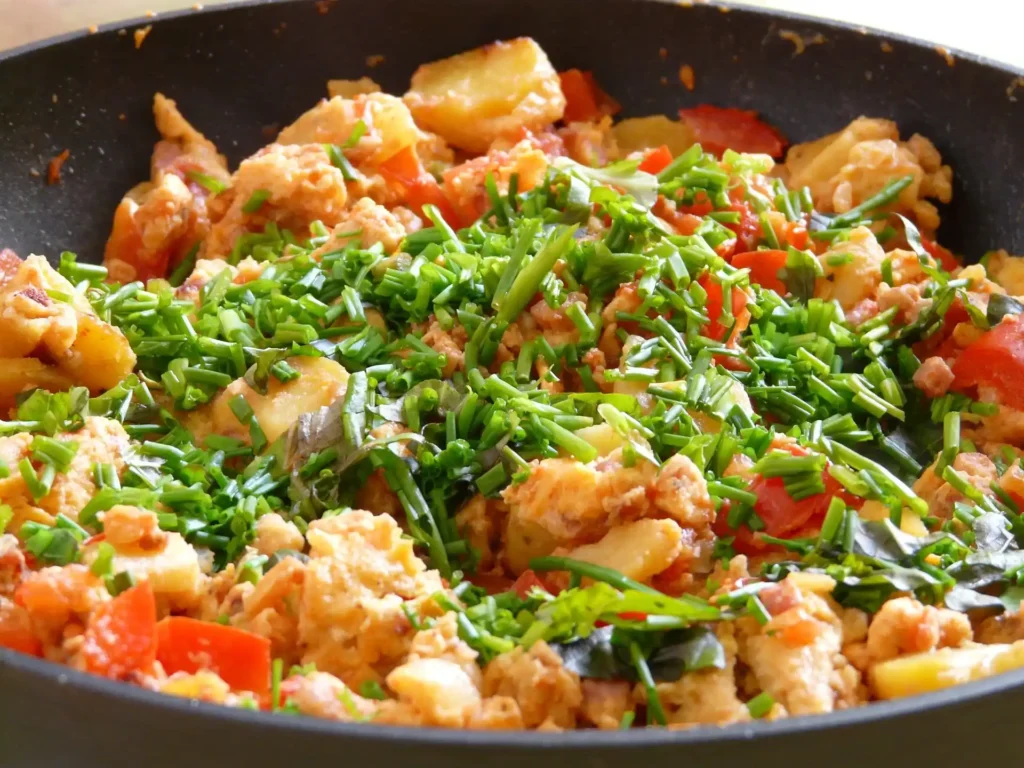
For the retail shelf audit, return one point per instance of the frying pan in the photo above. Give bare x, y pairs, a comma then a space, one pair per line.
239, 71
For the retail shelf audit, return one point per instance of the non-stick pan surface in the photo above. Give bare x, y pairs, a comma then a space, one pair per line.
238, 72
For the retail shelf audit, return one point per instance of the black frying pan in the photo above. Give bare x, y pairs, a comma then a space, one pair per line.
235, 70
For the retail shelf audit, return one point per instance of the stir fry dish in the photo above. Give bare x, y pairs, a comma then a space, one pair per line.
479, 408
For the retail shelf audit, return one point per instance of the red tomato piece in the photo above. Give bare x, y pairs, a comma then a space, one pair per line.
995, 360
684, 223
580, 98
796, 234
656, 160
783, 517
942, 255
714, 329
584, 99
942, 343
527, 580
405, 171
748, 230
701, 205
241, 659
764, 268
121, 636
720, 128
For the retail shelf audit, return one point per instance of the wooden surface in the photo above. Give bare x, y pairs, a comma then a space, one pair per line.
988, 27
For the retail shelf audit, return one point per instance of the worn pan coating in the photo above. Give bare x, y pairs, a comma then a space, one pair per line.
238, 69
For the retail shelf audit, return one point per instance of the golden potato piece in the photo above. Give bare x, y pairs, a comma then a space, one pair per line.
23, 373
638, 133
924, 672
100, 357
321, 382
172, 569
639, 550
83, 348
603, 437
495, 91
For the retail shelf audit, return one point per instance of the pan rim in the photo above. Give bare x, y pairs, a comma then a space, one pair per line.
740, 8
523, 740
520, 741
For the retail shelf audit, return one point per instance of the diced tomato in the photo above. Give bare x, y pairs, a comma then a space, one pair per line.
796, 234
241, 659
527, 580
764, 268
941, 343
683, 223
584, 99
403, 168
720, 128
121, 636
405, 171
580, 98
656, 160
995, 360
427, 190
701, 205
748, 229
783, 517
714, 329
942, 255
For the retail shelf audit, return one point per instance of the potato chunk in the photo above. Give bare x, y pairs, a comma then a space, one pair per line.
924, 672
639, 550
321, 382
491, 92
637, 133
162, 558
68, 334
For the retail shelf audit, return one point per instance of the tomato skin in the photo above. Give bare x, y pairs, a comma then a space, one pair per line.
764, 268
717, 129
748, 230
527, 580
942, 255
121, 637
796, 234
404, 170
714, 329
684, 223
580, 98
995, 360
942, 343
584, 100
241, 659
783, 517
656, 160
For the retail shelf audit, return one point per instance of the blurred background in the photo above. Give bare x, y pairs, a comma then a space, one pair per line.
972, 26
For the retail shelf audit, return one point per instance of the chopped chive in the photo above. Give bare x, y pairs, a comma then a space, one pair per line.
256, 201
760, 705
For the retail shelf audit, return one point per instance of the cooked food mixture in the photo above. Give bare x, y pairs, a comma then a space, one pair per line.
476, 408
